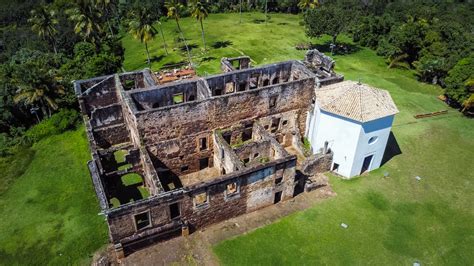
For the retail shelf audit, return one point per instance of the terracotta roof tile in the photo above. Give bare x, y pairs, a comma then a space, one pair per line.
356, 101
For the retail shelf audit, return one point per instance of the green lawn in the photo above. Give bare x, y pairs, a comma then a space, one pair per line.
49, 211
49, 214
264, 44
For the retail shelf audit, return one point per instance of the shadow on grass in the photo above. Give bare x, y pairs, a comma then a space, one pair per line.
191, 46
391, 150
221, 44
340, 49
157, 58
207, 59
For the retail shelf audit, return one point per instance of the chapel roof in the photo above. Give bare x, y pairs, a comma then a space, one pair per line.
355, 101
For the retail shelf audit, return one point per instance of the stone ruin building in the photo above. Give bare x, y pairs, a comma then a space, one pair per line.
168, 159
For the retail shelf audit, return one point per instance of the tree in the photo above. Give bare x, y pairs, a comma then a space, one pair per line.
460, 82
88, 21
141, 27
308, 4
174, 11
44, 24
331, 19
108, 11
199, 10
37, 81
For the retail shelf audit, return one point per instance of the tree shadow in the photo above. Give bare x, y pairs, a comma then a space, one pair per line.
340, 49
221, 44
207, 59
174, 64
190, 47
391, 150
157, 58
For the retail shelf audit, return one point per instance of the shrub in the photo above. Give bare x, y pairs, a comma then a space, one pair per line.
56, 124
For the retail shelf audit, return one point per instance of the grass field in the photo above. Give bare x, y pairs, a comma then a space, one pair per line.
49, 211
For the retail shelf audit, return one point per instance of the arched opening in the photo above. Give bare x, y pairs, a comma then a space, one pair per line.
266, 82
155, 105
191, 98
275, 80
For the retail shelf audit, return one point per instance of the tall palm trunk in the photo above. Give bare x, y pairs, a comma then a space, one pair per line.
266, 8
185, 42
240, 12
202, 33
147, 53
164, 42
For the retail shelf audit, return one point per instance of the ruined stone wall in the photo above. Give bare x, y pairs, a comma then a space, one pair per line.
100, 95
107, 116
111, 135
122, 222
225, 158
172, 133
257, 189
255, 152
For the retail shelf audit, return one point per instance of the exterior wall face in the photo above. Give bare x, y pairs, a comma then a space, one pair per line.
172, 135
378, 129
342, 136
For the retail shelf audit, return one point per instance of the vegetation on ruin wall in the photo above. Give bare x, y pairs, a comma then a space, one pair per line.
392, 221
49, 213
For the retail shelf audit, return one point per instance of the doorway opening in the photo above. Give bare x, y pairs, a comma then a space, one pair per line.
277, 197
366, 164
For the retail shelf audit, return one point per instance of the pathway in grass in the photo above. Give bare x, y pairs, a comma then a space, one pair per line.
49, 214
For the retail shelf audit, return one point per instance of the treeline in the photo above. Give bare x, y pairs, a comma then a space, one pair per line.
433, 38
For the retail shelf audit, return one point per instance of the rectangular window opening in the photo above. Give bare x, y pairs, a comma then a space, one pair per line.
178, 98
229, 87
200, 199
142, 220
247, 134
273, 101
203, 163
203, 143
231, 189
174, 210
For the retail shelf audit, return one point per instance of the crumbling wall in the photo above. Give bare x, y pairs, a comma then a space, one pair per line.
100, 95
225, 158
108, 136
107, 116
317, 163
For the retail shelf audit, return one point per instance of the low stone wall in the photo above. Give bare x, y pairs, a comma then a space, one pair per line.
317, 163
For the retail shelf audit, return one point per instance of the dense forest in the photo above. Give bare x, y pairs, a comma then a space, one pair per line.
46, 45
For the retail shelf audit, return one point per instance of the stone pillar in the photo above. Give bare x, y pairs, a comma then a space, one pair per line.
119, 251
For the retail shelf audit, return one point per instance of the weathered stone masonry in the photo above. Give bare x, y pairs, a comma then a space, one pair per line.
205, 149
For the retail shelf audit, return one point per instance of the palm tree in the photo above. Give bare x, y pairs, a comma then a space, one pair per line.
43, 23
174, 9
266, 10
163, 37
141, 28
200, 11
240, 12
108, 9
308, 4
42, 92
88, 20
